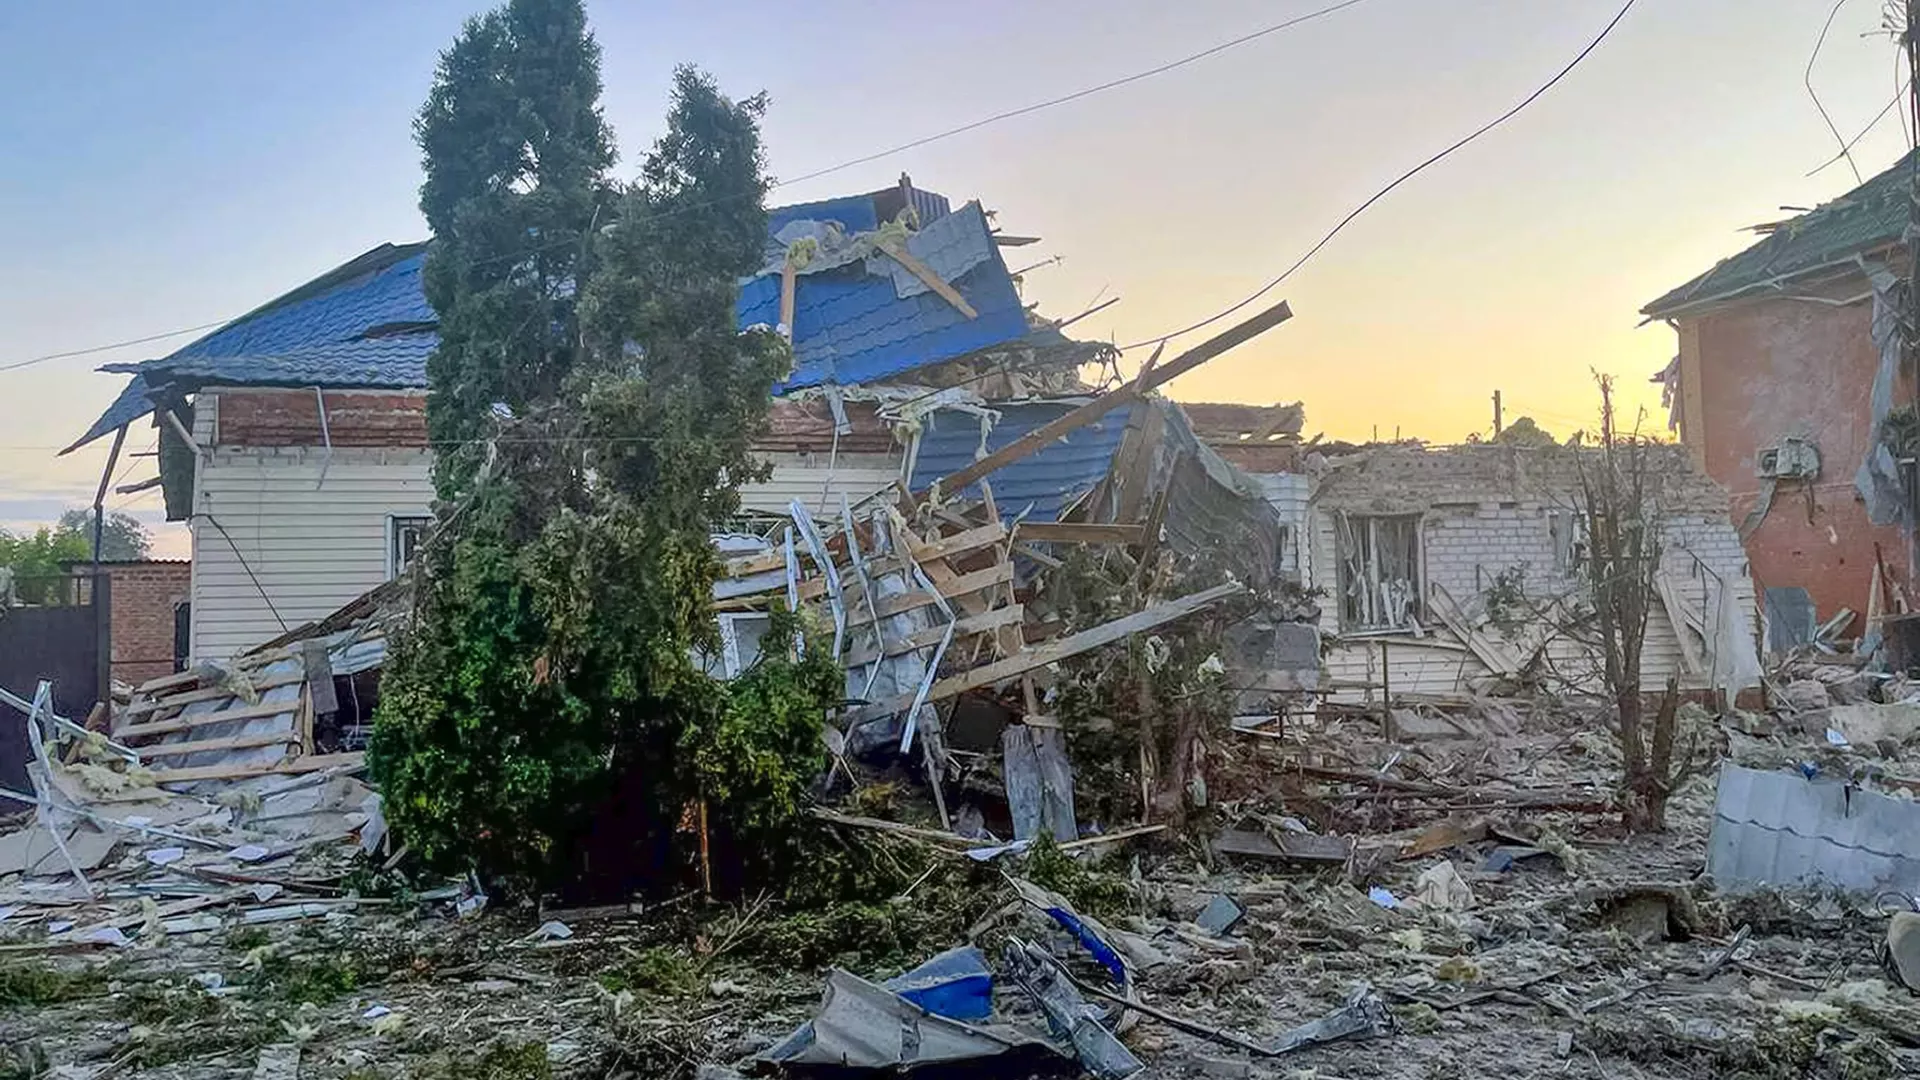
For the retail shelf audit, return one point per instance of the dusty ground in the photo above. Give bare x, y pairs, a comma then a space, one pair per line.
1560, 967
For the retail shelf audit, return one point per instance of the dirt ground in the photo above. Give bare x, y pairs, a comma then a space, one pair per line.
1604, 957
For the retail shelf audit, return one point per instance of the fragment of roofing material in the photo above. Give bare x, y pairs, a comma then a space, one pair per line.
367, 323
1780, 829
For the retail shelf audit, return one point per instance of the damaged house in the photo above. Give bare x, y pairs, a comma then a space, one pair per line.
1786, 390
1447, 572
293, 440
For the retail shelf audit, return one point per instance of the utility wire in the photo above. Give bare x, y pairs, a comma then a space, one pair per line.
1874, 123
1401, 179
17, 364
1807, 80
1112, 84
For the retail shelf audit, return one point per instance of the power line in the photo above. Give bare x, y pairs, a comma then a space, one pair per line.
1806, 79
1112, 84
1874, 123
831, 169
16, 364
1401, 179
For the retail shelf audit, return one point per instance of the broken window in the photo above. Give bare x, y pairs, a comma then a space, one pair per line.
404, 535
1568, 531
1379, 571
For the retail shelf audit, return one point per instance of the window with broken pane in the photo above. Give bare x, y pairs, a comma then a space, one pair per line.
1379, 571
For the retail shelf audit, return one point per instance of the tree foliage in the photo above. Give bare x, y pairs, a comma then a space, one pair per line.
545, 719
122, 538
1525, 433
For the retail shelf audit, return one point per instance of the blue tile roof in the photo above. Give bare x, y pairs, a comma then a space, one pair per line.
368, 324
1038, 485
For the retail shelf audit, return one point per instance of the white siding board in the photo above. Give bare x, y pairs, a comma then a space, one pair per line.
305, 533
311, 526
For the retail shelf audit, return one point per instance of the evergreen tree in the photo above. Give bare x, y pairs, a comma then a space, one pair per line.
544, 719
516, 153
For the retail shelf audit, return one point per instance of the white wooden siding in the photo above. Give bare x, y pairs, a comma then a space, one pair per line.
282, 537
297, 547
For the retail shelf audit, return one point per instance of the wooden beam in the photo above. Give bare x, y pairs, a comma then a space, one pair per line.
787, 287
929, 637
188, 723
138, 486
1100, 406
211, 693
932, 280
308, 764
1052, 532
231, 742
1055, 651
953, 589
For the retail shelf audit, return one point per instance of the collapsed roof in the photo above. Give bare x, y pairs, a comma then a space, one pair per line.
861, 312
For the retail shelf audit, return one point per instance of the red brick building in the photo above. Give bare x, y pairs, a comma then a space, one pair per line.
146, 606
1782, 392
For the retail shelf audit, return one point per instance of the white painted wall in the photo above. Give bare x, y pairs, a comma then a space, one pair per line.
283, 536
1463, 548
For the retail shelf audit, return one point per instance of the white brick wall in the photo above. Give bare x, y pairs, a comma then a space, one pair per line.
1289, 495
1465, 547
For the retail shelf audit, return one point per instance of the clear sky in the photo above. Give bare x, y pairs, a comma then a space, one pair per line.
170, 164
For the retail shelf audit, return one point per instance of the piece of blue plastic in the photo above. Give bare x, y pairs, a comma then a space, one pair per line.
1382, 897
1092, 943
955, 984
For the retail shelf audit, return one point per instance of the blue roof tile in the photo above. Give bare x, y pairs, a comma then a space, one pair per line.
368, 323
1038, 485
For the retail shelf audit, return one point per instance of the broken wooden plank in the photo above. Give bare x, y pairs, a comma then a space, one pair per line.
1069, 532
1496, 656
231, 742
188, 723
929, 835
931, 636
1686, 623
1055, 651
952, 588
925, 273
1047, 434
310, 763
211, 693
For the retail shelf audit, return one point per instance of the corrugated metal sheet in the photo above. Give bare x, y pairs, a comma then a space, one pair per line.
851, 326
1781, 829
1037, 485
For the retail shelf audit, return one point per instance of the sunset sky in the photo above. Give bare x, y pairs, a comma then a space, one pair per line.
172, 164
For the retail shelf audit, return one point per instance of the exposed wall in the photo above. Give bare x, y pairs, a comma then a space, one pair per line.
1760, 371
285, 532
1465, 547
142, 601
1288, 494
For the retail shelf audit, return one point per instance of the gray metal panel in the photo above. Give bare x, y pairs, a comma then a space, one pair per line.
1781, 829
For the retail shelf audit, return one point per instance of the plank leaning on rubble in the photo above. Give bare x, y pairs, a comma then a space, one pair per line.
1042, 655
1100, 406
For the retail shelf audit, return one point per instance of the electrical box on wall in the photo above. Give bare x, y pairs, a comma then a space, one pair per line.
1792, 459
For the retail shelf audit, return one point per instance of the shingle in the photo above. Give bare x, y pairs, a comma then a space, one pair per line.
849, 326
1870, 216
1039, 484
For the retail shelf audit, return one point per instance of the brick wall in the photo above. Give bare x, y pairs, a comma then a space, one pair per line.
292, 418
144, 597
1779, 368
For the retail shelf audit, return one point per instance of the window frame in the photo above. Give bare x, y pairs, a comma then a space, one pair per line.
1349, 529
397, 525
